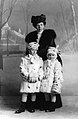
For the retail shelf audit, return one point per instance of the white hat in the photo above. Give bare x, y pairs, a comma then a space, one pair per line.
52, 50
33, 45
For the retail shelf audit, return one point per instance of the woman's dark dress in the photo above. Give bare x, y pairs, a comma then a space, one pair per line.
47, 39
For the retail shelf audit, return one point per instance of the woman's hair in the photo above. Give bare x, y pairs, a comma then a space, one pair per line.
37, 19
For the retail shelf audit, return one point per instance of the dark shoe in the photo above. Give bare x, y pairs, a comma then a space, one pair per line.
32, 107
52, 107
21, 108
47, 106
47, 110
31, 110
52, 110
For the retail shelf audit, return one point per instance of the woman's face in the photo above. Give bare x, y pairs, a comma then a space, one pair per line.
40, 26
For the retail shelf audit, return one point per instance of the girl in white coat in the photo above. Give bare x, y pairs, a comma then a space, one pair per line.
31, 69
53, 78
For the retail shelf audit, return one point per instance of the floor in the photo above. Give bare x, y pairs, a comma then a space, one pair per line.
63, 113
66, 112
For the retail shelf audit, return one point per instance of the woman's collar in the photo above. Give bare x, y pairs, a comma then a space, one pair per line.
40, 32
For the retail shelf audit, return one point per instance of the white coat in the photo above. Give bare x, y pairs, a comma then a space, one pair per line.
53, 77
32, 68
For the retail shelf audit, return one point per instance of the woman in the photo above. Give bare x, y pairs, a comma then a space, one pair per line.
45, 38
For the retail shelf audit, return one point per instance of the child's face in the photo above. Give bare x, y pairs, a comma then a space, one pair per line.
32, 51
52, 55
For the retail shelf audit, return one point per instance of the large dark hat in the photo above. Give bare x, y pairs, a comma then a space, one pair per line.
37, 19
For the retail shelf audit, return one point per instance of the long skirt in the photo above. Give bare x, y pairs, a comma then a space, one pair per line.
40, 101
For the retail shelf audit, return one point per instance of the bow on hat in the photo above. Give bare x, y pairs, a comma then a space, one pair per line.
52, 49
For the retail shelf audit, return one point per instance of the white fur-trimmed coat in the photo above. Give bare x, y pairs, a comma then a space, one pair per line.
32, 69
53, 77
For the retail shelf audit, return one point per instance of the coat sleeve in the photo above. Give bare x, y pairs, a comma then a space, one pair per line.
23, 67
53, 44
58, 78
58, 73
53, 37
27, 38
